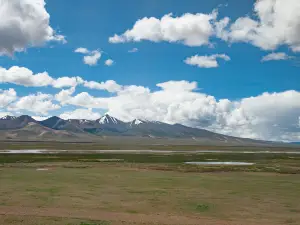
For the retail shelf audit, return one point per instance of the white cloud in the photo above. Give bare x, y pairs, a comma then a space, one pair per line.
25, 77
3, 114
7, 97
133, 50
92, 59
275, 56
277, 23
109, 62
220, 26
206, 61
270, 116
64, 95
24, 24
189, 29
109, 85
39, 104
59, 38
273, 23
67, 82
116, 39
80, 114
40, 118
84, 99
178, 86
82, 50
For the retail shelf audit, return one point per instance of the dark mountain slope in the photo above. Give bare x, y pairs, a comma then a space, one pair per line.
110, 128
57, 123
11, 122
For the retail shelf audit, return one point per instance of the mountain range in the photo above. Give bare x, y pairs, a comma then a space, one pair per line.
25, 128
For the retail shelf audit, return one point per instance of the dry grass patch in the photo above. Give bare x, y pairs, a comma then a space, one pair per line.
233, 197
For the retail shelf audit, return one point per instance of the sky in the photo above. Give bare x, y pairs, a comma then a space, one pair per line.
228, 66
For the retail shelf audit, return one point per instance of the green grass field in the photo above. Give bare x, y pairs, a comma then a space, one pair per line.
149, 189
119, 143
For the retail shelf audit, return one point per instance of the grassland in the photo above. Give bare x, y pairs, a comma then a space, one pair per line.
92, 189
119, 144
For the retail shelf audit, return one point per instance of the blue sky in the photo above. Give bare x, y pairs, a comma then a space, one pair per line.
90, 24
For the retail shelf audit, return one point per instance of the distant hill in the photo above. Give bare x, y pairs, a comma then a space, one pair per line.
57, 123
12, 122
108, 127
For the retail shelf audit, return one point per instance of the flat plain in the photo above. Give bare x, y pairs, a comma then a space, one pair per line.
109, 189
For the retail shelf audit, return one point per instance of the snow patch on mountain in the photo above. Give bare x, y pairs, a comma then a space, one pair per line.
7, 117
83, 121
107, 119
136, 122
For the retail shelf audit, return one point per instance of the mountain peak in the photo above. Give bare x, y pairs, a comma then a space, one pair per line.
8, 117
25, 119
136, 122
53, 122
54, 118
107, 119
111, 126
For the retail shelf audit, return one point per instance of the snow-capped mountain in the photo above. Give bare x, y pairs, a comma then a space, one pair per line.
8, 117
136, 122
93, 130
108, 124
12, 122
107, 119
139, 121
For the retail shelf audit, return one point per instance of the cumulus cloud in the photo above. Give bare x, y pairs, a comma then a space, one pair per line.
82, 50
59, 38
7, 97
3, 114
64, 95
67, 82
84, 99
109, 62
40, 118
277, 23
90, 57
24, 24
206, 61
270, 116
275, 56
109, 85
88, 114
273, 23
178, 86
189, 29
133, 50
25, 77
37, 103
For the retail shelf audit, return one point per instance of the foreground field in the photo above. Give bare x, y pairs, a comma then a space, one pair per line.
79, 190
